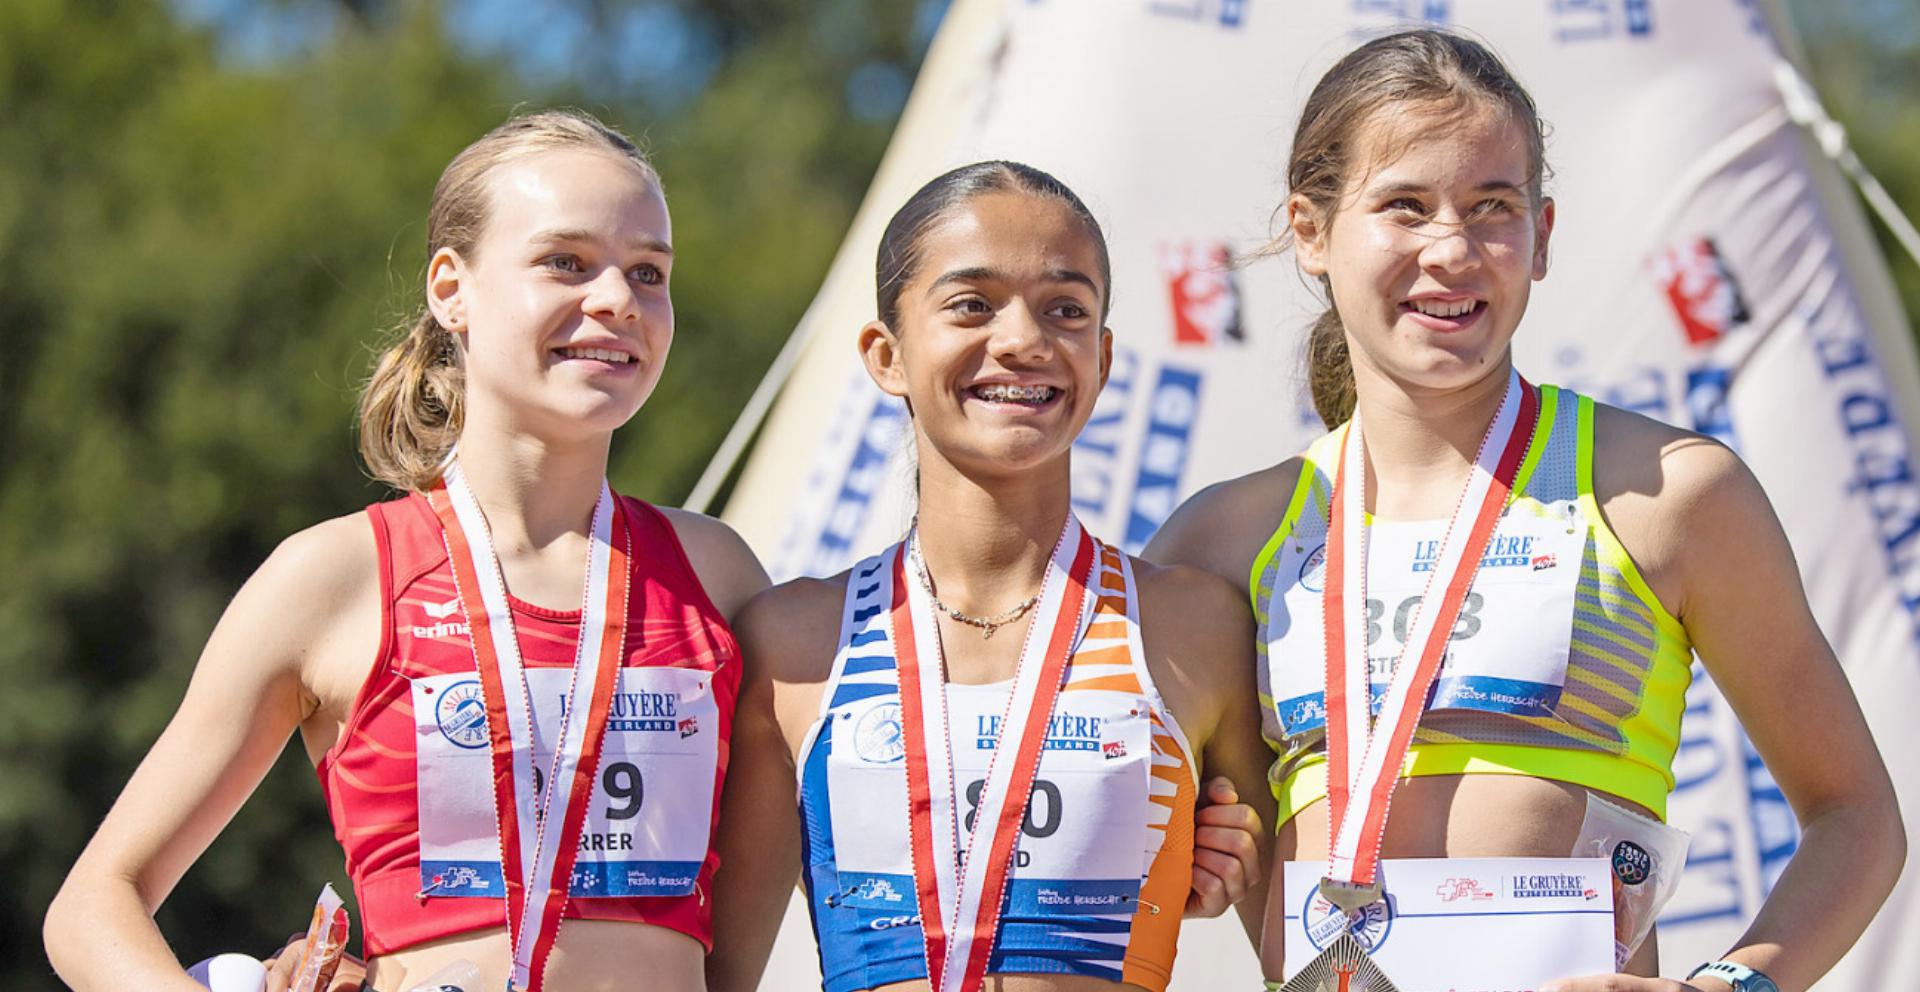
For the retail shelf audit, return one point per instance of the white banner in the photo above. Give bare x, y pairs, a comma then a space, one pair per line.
1709, 269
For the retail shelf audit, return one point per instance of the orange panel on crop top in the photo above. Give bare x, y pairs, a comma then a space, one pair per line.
371, 778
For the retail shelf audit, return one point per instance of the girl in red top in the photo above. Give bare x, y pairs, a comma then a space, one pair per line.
456, 675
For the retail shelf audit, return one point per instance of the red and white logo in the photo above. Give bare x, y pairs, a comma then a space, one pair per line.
1204, 291
1114, 749
1702, 290
1456, 889
1543, 562
689, 726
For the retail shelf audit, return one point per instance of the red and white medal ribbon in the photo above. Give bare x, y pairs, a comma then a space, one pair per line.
538, 847
1364, 757
960, 903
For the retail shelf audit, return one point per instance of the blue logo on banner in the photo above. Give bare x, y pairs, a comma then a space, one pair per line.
1431, 11
865, 473
1595, 20
1707, 390
1096, 452
1882, 453
1226, 13
1172, 409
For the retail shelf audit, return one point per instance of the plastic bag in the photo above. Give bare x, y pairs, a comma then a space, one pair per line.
1647, 857
326, 942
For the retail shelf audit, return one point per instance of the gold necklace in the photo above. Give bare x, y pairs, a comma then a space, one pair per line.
987, 625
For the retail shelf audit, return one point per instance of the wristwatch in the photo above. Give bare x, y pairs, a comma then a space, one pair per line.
1741, 977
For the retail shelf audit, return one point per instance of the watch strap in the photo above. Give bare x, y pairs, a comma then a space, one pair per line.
1740, 976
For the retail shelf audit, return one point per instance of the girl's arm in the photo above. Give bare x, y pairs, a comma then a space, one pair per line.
310, 610
1708, 528
787, 637
1199, 638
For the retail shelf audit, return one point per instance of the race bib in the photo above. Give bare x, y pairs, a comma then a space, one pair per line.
1508, 651
1083, 844
646, 832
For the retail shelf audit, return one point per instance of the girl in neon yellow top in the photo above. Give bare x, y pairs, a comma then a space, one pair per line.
1415, 200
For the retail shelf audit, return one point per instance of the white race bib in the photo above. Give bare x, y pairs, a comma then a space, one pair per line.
1083, 845
1508, 652
647, 826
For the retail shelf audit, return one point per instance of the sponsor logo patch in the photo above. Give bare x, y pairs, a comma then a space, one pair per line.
1705, 297
462, 714
1631, 863
878, 737
1470, 889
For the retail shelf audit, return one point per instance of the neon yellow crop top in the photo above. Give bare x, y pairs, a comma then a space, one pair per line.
1611, 725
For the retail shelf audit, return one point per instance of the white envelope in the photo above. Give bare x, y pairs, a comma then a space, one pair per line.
1458, 924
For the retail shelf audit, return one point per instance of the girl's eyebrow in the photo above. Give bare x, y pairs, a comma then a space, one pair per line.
641, 243
980, 273
1408, 186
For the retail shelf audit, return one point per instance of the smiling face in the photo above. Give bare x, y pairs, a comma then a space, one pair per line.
1432, 250
562, 305
999, 347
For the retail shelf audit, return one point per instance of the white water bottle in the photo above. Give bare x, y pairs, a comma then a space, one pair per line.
230, 973
460, 976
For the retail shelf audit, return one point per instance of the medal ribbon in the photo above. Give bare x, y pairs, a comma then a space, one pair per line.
960, 903
538, 848
1358, 793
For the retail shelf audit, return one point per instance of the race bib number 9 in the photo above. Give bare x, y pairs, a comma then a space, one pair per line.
647, 826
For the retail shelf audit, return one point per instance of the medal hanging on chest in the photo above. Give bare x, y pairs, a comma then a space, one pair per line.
539, 829
1364, 756
1342, 967
960, 898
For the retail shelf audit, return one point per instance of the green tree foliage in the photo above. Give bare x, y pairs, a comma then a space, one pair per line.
1864, 57
201, 248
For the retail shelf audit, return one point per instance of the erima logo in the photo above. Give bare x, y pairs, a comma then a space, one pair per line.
441, 611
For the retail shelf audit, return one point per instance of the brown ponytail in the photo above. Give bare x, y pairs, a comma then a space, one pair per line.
1330, 369
414, 405
1451, 74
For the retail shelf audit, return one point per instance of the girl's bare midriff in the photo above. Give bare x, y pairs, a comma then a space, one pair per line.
588, 956
1024, 983
1453, 816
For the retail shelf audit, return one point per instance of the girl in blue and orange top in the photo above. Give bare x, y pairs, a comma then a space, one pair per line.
980, 749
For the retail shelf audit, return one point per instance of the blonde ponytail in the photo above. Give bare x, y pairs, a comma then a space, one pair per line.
411, 410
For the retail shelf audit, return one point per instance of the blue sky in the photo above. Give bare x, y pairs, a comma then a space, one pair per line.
662, 50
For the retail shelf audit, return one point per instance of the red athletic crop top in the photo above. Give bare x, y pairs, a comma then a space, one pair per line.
369, 779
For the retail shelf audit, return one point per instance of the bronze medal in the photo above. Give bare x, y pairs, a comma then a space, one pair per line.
1343, 967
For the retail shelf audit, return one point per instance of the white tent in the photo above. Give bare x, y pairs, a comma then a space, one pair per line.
1711, 268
